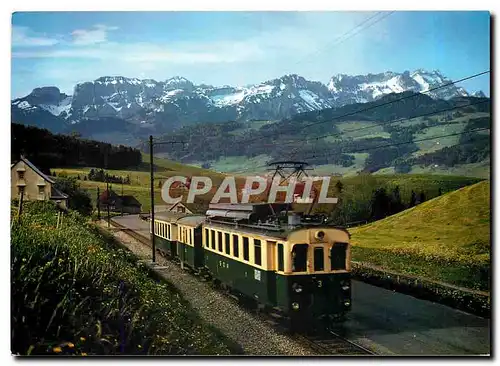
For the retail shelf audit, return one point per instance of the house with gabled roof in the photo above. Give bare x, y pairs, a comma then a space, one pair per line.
27, 180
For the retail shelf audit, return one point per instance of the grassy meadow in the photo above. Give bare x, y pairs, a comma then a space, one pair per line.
444, 239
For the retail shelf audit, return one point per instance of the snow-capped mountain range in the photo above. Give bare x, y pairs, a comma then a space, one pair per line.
163, 105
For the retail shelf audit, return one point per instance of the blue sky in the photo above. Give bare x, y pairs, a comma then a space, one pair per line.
238, 48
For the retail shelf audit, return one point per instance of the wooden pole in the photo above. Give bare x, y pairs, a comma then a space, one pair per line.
152, 198
20, 208
98, 206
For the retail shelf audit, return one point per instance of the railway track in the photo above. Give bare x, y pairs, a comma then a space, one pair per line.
326, 343
332, 343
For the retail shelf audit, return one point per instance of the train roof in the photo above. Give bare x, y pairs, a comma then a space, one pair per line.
282, 234
171, 217
191, 220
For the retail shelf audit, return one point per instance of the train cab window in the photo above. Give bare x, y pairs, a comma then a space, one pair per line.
206, 237
257, 251
281, 258
246, 249
338, 256
227, 243
236, 246
213, 239
220, 241
319, 259
299, 257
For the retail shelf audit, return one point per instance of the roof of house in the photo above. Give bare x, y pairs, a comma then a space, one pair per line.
56, 194
130, 201
112, 195
35, 169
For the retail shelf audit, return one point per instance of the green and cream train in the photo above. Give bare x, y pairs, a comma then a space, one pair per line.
299, 268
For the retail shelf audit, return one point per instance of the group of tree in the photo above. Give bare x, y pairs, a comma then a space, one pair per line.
47, 150
79, 199
98, 175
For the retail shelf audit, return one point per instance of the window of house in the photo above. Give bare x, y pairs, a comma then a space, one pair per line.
213, 239
246, 249
227, 242
299, 257
319, 257
20, 175
281, 258
20, 190
236, 246
220, 241
41, 190
206, 238
257, 251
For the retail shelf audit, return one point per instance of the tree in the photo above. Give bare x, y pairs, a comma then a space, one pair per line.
396, 202
413, 199
339, 186
380, 204
422, 197
79, 200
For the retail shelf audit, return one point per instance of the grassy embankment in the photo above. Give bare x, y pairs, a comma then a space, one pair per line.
74, 292
444, 239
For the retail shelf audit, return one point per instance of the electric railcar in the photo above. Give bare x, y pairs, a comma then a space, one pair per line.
301, 269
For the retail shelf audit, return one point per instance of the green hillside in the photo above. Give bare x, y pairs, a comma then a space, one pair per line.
445, 239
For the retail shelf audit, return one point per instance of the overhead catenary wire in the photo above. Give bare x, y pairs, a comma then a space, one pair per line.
340, 39
298, 128
387, 123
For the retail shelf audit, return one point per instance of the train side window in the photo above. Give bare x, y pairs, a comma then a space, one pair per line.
281, 258
338, 256
220, 241
206, 237
299, 257
213, 239
319, 259
246, 249
257, 251
228, 243
236, 246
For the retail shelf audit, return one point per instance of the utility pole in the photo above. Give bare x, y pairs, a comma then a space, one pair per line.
108, 196
152, 181
152, 198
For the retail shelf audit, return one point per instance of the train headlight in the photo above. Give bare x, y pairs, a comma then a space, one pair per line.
295, 306
297, 288
347, 304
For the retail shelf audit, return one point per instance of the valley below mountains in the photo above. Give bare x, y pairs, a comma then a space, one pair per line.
219, 121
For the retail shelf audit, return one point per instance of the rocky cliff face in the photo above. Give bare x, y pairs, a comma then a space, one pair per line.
165, 105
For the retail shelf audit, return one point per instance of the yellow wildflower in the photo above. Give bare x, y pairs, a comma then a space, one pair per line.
83, 354
70, 345
82, 339
57, 349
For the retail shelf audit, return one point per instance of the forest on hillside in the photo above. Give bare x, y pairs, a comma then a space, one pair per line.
47, 150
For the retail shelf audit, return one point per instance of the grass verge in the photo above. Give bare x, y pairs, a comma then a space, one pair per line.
74, 293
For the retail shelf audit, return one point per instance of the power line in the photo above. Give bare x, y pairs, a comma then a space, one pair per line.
386, 123
336, 42
372, 107
383, 146
406, 142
